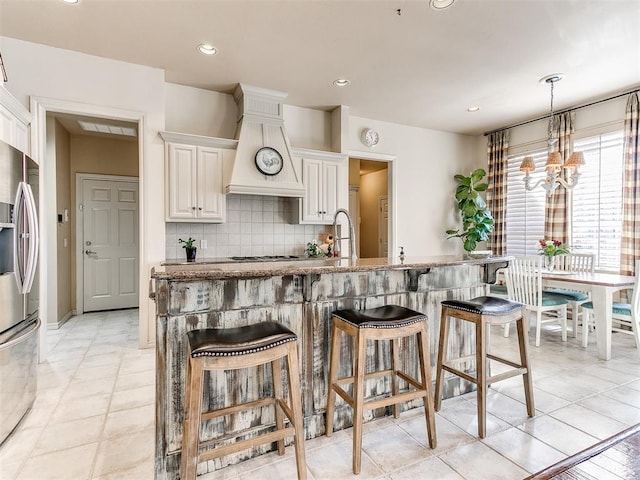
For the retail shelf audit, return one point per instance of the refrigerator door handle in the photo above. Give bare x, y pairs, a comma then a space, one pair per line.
26, 216
18, 241
33, 239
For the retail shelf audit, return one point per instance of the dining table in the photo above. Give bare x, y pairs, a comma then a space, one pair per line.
601, 286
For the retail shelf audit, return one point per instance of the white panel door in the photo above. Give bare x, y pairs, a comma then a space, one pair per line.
110, 244
181, 178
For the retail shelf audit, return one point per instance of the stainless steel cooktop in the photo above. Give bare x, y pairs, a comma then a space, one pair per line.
266, 258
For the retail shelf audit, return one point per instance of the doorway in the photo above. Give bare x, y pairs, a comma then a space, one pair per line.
54, 224
369, 202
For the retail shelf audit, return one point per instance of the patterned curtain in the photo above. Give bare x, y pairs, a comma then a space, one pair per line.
556, 215
497, 192
630, 246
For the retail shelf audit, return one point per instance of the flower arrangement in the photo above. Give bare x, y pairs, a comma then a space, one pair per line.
551, 248
189, 243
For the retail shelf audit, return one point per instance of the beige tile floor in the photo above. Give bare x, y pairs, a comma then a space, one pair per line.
94, 417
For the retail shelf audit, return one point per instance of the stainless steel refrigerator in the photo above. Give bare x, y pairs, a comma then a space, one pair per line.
19, 321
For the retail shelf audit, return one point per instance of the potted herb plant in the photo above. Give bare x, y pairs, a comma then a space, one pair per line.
190, 248
477, 221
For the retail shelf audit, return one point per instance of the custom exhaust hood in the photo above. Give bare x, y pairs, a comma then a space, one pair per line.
259, 125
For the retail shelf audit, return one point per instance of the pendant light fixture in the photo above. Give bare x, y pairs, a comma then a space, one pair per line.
554, 164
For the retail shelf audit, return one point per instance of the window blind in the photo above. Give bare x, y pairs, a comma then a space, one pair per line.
597, 200
525, 210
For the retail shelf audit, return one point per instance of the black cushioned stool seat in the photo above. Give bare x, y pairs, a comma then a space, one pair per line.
390, 322
388, 316
224, 342
484, 312
485, 305
231, 349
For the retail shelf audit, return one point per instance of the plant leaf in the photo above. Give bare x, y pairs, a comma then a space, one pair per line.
477, 175
470, 209
469, 245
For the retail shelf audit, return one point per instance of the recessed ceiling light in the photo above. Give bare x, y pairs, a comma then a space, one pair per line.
473, 109
71, 2
207, 49
440, 4
342, 82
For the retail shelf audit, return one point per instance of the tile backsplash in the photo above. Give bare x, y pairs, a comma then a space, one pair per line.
256, 225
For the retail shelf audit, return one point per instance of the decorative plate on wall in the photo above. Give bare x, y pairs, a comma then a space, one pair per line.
269, 161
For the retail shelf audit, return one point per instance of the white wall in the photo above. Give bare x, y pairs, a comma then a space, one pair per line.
203, 112
40, 71
307, 128
199, 112
426, 161
589, 120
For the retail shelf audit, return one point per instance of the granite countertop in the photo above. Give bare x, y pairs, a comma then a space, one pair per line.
219, 269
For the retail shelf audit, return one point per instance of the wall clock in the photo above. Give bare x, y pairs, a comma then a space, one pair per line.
269, 161
370, 137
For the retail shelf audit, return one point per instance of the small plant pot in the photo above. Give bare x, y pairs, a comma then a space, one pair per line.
191, 254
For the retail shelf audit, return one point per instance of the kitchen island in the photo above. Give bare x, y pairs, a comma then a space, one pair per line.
301, 295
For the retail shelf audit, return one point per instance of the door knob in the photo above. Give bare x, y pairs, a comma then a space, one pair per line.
90, 252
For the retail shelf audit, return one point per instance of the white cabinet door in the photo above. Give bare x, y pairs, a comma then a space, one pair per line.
194, 184
181, 173
6, 125
211, 199
312, 179
331, 189
14, 122
324, 178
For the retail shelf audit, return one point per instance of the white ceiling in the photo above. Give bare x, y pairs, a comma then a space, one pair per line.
421, 68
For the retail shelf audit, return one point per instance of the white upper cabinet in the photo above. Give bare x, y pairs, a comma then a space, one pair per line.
14, 122
324, 176
194, 179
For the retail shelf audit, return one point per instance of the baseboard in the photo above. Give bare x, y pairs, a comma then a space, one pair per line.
62, 321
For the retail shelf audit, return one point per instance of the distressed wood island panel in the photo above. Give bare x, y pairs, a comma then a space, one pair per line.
301, 297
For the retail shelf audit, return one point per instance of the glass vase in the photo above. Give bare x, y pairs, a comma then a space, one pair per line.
549, 263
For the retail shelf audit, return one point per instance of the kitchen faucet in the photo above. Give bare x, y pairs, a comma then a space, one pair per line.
351, 237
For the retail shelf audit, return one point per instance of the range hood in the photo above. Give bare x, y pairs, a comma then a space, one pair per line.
260, 124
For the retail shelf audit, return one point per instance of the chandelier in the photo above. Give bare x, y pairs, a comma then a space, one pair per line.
554, 164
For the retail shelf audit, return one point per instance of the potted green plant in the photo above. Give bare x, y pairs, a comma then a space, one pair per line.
190, 248
477, 221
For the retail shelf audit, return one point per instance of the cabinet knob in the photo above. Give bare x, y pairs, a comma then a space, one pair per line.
193, 208
199, 208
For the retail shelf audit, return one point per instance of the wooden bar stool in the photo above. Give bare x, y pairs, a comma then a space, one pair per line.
483, 312
389, 322
231, 349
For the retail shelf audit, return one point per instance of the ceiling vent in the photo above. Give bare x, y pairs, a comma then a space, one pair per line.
108, 129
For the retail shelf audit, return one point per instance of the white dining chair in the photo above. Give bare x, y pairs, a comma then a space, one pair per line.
626, 316
524, 284
576, 263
